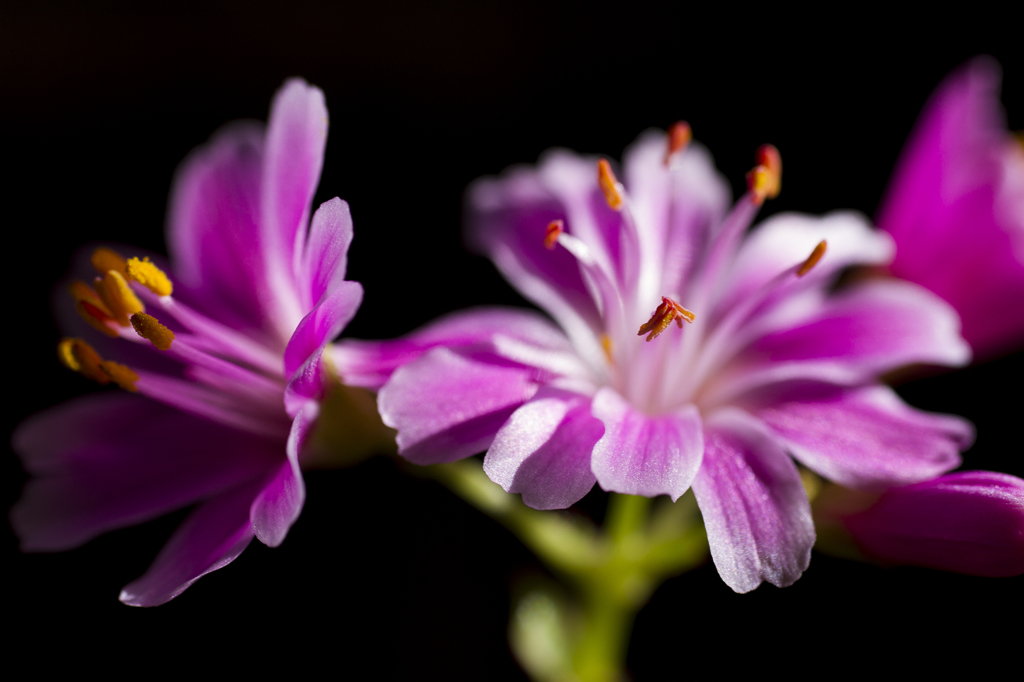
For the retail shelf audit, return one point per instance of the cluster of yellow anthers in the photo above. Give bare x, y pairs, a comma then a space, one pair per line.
110, 305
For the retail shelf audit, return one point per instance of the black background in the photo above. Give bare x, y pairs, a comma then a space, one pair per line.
384, 574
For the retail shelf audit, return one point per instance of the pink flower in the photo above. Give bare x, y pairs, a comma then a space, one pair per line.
222, 360
955, 207
772, 361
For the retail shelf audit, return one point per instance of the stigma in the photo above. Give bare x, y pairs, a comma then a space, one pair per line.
79, 356
665, 314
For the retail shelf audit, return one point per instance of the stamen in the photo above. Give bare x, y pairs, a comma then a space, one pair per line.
81, 291
554, 229
105, 260
146, 273
96, 316
665, 314
610, 187
119, 298
78, 356
679, 136
606, 345
149, 328
765, 180
121, 375
813, 259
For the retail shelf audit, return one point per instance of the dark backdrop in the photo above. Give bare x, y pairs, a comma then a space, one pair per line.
97, 107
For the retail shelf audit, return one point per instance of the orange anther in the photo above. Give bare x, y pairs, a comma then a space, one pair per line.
813, 259
606, 346
96, 317
679, 136
665, 314
554, 229
105, 260
610, 187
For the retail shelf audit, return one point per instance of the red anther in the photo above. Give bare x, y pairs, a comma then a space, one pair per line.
679, 136
609, 185
554, 229
665, 314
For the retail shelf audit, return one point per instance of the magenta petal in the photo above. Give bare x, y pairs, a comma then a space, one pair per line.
212, 228
279, 503
646, 455
322, 324
209, 539
370, 363
854, 336
970, 522
293, 158
755, 509
954, 207
326, 256
447, 405
866, 438
113, 460
543, 450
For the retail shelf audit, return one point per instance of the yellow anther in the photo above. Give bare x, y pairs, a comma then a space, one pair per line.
679, 136
105, 260
149, 328
610, 187
606, 346
758, 183
78, 356
120, 375
150, 276
551, 234
119, 298
668, 312
765, 180
813, 259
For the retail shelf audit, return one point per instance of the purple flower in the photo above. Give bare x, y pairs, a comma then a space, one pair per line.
772, 360
955, 207
968, 522
222, 360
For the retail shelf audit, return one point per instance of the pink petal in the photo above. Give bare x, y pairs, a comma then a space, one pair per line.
322, 324
447, 406
212, 232
543, 450
866, 437
853, 337
293, 158
209, 539
326, 256
969, 522
370, 363
677, 209
955, 207
112, 460
755, 509
280, 502
640, 454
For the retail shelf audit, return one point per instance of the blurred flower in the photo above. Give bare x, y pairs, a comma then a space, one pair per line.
967, 522
771, 359
955, 207
226, 352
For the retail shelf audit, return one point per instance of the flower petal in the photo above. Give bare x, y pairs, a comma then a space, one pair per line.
507, 218
865, 438
677, 209
370, 363
210, 538
448, 405
543, 450
968, 522
212, 228
755, 509
326, 256
113, 460
321, 324
293, 158
644, 455
955, 207
278, 505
